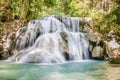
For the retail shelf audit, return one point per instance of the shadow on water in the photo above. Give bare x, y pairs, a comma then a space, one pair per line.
79, 70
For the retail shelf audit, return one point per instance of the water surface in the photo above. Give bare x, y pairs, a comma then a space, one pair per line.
78, 70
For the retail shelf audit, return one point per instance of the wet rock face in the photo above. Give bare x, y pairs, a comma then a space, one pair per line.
1, 52
65, 41
66, 56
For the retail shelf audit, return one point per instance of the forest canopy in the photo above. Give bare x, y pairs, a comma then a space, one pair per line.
105, 13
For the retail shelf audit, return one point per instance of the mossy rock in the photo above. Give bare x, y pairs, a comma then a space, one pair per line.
115, 60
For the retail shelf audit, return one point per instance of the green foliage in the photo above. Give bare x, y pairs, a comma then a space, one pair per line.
32, 9
50, 3
15, 7
77, 10
105, 18
111, 20
117, 2
2, 2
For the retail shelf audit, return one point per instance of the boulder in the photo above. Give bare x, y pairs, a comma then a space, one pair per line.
113, 46
98, 52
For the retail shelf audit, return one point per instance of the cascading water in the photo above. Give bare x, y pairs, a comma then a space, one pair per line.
52, 39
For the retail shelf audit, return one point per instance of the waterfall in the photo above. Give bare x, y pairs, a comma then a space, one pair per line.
51, 39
